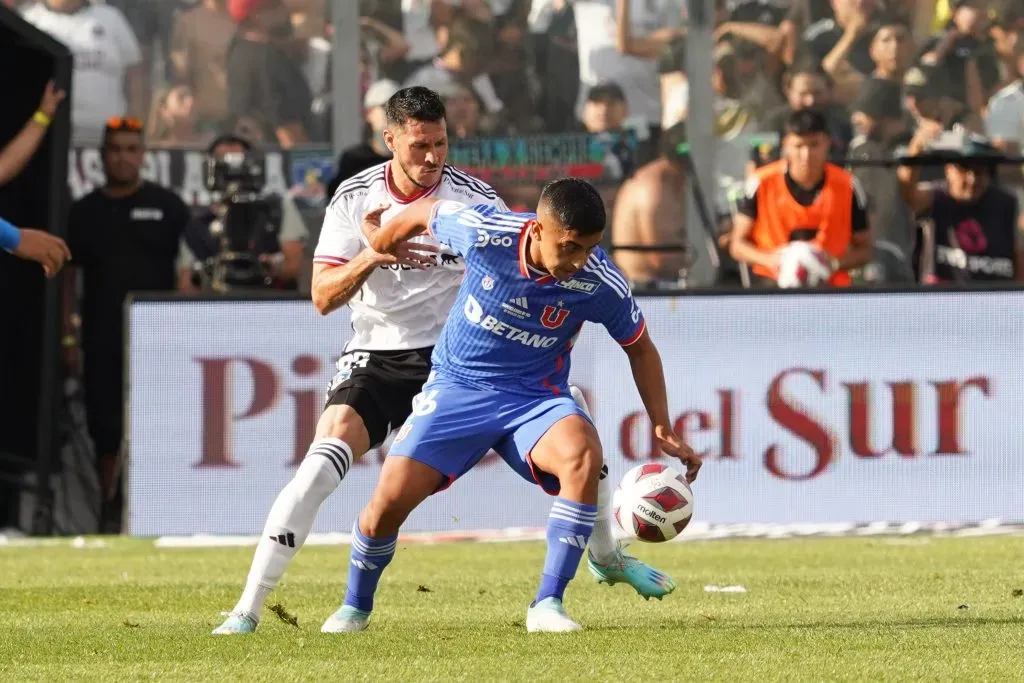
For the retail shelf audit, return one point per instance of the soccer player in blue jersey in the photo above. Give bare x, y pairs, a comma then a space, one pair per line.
500, 380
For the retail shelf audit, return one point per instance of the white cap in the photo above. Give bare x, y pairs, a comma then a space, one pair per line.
379, 93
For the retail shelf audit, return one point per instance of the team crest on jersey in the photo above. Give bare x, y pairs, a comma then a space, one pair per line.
487, 282
553, 317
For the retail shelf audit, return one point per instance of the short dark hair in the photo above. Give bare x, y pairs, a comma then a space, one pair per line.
606, 93
805, 122
805, 67
576, 204
416, 104
229, 139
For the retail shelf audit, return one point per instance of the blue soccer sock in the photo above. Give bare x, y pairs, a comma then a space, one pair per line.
569, 528
369, 558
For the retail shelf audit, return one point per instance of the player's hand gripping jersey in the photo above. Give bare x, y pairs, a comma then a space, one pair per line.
398, 307
512, 328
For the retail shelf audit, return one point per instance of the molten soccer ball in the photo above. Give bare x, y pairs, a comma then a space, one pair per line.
802, 264
653, 503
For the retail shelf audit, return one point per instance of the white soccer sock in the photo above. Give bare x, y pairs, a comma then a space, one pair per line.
291, 517
603, 545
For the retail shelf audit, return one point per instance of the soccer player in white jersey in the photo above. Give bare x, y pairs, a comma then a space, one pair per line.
399, 304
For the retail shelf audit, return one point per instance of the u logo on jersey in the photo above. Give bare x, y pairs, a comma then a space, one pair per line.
553, 317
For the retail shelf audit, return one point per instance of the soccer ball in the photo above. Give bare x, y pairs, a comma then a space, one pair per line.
802, 264
653, 503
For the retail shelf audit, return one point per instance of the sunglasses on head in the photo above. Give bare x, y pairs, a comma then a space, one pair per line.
124, 123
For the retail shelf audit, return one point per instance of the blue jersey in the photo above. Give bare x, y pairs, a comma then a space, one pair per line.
512, 328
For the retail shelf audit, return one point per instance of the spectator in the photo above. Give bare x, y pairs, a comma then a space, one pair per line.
619, 41
553, 25
108, 78
1004, 118
388, 45
1007, 23
841, 44
807, 87
463, 113
964, 56
126, 237
878, 119
971, 234
605, 109
507, 63
372, 150
891, 50
199, 49
172, 119
650, 209
459, 63
802, 197
267, 90
927, 99
152, 22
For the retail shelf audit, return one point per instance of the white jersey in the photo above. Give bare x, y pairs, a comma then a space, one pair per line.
398, 307
104, 47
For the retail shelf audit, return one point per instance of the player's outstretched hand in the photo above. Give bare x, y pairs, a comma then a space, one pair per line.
672, 445
49, 251
412, 254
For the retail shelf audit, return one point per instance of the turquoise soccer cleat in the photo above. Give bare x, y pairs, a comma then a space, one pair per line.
645, 580
347, 619
236, 624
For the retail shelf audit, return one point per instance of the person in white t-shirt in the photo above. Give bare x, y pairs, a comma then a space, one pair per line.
1004, 118
653, 22
107, 79
399, 304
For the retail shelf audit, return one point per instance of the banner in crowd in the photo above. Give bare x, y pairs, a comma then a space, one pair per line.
602, 159
808, 408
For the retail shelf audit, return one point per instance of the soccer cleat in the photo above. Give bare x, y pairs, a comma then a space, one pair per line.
348, 619
647, 581
236, 624
548, 616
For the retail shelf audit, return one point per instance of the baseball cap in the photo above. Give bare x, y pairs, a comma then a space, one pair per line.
379, 93
240, 10
879, 99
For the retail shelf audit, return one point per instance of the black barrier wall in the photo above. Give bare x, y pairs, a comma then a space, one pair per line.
29, 305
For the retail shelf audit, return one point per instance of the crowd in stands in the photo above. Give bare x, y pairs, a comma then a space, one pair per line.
880, 71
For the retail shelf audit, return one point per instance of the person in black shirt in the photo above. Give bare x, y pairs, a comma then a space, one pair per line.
125, 237
267, 90
964, 45
971, 233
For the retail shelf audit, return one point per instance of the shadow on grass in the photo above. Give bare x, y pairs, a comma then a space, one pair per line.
717, 624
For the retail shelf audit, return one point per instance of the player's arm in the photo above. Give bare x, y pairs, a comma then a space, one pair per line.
341, 264
35, 245
451, 223
649, 377
622, 317
741, 247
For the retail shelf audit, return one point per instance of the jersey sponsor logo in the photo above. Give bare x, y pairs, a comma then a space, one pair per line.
576, 285
446, 260
487, 282
517, 307
146, 214
553, 317
474, 313
960, 259
484, 238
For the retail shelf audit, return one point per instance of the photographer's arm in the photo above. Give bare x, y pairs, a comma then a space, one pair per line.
333, 286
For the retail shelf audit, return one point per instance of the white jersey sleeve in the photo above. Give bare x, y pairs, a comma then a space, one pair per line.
340, 238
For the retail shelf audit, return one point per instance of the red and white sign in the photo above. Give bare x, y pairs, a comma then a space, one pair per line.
808, 408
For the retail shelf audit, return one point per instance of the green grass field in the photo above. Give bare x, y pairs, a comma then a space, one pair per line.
915, 608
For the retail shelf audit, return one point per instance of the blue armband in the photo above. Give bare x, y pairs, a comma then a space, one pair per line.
10, 236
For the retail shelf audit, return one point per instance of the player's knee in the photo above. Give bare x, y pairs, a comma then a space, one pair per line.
583, 462
383, 516
343, 422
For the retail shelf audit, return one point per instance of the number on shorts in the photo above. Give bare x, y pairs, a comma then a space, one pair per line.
424, 403
352, 360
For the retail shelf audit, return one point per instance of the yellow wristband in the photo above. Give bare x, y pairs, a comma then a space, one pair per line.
42, 119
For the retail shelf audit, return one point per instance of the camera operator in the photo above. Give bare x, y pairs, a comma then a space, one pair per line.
245, 239
970, 234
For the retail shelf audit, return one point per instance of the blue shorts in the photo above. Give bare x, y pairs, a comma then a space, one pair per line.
452, 427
